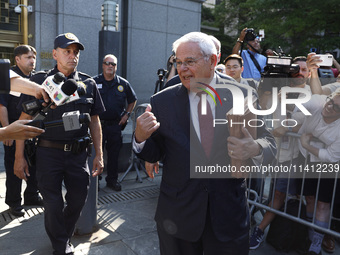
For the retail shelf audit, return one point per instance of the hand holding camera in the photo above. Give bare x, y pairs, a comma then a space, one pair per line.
247, 34
313, 62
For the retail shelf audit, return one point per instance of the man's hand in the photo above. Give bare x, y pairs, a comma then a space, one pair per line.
98, 166
313, 62
243, 34
8, 142
152, 168
19, 131
21, 168
123, 120
243, 148
280, 131
41, 93
146, 125
305, 140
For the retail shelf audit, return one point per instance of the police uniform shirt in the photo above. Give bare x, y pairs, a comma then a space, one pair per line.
89, 103
10, 101
115, 94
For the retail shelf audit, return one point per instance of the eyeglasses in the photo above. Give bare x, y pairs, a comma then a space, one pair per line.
109, 63
190, 62
336, 107
232, 67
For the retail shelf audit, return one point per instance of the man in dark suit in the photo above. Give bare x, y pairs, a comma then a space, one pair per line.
200, 214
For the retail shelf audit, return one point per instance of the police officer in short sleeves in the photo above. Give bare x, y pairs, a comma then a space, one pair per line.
61, 156
117, 94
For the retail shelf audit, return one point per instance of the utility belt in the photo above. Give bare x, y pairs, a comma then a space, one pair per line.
76, 146
109, 122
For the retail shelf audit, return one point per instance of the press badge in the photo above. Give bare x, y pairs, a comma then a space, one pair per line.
99, 86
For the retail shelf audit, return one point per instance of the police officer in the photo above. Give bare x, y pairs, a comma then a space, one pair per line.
116, 92
25, 58
62, 156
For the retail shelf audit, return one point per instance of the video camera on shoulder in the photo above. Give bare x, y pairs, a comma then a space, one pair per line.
277, 71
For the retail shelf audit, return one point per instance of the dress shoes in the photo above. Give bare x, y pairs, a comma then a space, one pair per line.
17, 210
115, 186
38, 201
328, 243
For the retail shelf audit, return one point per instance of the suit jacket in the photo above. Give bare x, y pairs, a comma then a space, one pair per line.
183, 201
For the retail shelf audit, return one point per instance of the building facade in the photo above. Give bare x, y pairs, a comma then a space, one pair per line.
146, 30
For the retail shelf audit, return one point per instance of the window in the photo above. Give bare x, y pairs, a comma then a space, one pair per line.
9, 20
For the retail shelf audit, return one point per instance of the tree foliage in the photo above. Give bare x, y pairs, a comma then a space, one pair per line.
295, 25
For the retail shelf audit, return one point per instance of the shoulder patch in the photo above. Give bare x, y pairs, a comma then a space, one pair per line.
84, 74
120, 88
82, 84
41, 72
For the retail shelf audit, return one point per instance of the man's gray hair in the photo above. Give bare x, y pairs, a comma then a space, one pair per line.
111, 56
217, 43
203, 40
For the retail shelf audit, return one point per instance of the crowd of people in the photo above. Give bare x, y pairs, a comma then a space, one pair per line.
321, 125
194, 215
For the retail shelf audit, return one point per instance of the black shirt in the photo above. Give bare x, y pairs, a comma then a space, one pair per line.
115, 95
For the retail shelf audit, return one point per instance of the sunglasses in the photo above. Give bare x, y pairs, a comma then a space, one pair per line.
109, 63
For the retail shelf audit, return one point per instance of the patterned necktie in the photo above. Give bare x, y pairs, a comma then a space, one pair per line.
206, 123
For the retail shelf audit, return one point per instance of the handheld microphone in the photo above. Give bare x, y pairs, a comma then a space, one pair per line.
60, 95
70, 121
76, 95
58, 90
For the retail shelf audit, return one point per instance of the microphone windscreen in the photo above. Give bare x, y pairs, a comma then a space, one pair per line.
69, 87
58, 77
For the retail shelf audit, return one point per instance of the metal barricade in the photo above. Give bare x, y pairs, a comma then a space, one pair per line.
265, 199
134, 161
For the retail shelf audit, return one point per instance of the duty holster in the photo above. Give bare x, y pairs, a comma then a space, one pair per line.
82, 144
30, 151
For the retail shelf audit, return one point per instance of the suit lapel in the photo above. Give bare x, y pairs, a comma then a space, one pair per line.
182, 108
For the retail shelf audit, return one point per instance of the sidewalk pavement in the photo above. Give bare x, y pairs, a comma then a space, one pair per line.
125, 223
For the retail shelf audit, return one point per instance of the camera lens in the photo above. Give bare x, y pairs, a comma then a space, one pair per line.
250, 35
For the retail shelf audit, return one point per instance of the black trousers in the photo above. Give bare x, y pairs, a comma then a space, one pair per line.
13, 183
55, 167
208, 244
112, 141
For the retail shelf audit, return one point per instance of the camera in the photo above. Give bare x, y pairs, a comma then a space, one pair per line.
280, 64
5, 86
327, 59
277, 71
250, 34
161, 73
